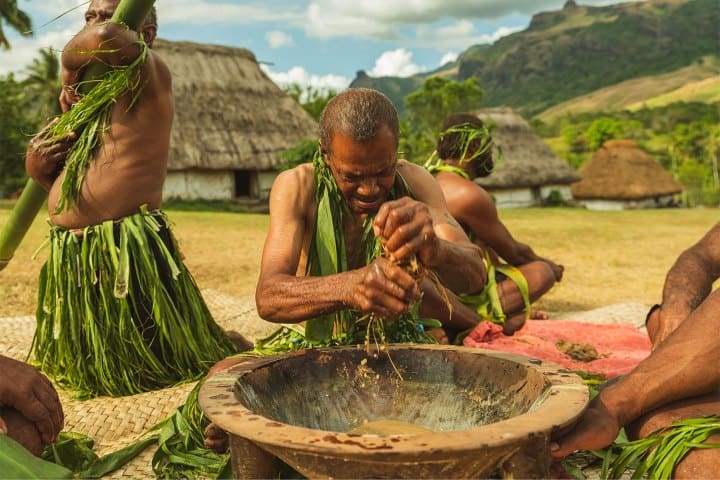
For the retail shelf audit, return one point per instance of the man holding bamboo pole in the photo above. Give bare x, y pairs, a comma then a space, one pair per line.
118, 313
352, 231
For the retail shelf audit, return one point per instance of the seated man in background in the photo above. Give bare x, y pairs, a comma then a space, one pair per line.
464, 150
30, 410
680, 379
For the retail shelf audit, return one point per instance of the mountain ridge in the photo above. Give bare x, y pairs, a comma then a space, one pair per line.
566, 54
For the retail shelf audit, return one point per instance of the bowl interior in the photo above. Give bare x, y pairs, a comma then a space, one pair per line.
342, 390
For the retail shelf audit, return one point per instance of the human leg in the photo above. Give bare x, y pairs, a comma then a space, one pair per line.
539, 277
699, 462
652, 322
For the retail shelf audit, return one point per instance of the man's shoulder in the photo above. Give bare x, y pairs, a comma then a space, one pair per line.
301, 174
299, 179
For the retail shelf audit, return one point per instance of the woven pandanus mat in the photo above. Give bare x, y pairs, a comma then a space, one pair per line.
114, 423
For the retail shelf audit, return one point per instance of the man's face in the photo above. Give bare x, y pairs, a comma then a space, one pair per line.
364, 172
100, 11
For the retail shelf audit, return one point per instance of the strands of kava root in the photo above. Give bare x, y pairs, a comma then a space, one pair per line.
90, 119
375, 332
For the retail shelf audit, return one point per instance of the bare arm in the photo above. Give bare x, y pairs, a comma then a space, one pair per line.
44, 159
472, 206
426, 228
284, 297
435, 305
689, 281
687, 364
108, 43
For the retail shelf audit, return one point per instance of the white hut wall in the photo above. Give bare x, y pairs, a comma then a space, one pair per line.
640, 203
514, 197
207, 184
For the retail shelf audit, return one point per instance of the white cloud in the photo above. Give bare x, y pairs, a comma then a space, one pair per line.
25, 49
382, 19
458, 36
395, 63
448, 57
300, 76
228, 13
320, 23
277, 39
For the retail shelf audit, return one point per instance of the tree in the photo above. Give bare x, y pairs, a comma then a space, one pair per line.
16, 18
427, 107
311, 99
601, 130
16, 129
44, 84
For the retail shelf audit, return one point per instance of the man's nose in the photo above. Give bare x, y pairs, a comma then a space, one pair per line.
368, 187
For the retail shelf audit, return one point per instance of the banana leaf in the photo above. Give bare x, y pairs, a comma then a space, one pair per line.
17, 462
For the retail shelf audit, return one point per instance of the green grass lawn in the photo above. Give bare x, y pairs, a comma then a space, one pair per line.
609, 257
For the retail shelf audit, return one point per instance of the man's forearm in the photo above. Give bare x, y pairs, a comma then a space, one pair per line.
687, 284
290, 299
460, 267
447, 307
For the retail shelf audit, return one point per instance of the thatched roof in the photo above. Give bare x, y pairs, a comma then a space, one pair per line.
619, 170
229, 114
526, 160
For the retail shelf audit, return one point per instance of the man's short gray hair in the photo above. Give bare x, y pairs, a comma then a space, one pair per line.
359, 113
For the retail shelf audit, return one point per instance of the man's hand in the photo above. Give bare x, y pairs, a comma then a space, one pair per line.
25, 389
44, 160
383, 288
406, 227
597, 428
68, 98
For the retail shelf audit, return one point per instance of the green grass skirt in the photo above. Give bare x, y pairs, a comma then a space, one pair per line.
119, 314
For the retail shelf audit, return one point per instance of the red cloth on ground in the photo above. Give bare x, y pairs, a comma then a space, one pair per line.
620, 347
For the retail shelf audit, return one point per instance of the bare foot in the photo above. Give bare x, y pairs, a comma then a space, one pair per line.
539, 315
216, 439
439, 334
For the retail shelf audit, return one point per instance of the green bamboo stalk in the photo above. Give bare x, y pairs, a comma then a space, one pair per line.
130, 12
21, 217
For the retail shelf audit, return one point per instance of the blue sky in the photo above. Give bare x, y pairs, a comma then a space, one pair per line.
322, 43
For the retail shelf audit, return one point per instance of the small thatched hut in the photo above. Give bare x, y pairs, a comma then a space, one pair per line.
529, 170
231, 123
619, 175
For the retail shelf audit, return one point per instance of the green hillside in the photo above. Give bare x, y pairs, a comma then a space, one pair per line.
570, 53
700, 82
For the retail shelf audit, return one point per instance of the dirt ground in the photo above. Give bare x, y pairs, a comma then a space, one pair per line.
609, 257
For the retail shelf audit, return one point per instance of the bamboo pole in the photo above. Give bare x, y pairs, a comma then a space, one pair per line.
130, 12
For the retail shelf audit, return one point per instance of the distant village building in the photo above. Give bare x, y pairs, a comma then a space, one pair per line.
529, 171
619, 175
231, 123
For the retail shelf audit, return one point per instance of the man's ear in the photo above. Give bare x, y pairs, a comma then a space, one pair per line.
149, 32
323, 151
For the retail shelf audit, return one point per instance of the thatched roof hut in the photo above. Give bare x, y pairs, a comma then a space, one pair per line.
231, 122
529, 170
621, 175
